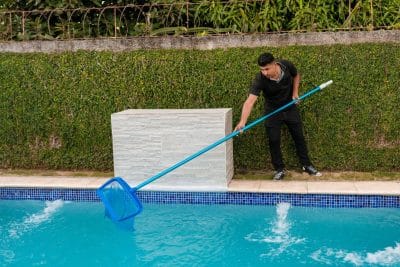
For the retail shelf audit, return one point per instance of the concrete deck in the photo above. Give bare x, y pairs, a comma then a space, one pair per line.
260, 186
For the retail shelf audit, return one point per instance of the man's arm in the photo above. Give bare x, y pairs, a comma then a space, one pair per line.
296, 85
246, 110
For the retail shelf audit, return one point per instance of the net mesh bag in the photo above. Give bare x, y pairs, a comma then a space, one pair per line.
120, 201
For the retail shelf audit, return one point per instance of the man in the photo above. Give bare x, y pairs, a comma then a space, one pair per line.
279, 82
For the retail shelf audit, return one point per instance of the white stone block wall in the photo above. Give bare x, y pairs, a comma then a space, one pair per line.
148, 141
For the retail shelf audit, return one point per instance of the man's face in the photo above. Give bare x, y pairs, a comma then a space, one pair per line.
269, 70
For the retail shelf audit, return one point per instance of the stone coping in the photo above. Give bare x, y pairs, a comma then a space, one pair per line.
255, 186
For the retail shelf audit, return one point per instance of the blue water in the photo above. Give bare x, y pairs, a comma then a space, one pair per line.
35, 233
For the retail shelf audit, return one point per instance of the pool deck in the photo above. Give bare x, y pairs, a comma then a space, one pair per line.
257, 186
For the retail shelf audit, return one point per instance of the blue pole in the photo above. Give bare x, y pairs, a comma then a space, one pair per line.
233, 134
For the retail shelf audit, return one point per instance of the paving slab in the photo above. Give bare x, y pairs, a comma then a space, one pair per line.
320, 187
257, 186
299, 187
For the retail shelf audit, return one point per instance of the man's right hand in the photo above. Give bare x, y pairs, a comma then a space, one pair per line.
240, 126
247, 107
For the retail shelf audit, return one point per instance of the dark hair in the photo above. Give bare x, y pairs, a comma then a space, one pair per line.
265, 58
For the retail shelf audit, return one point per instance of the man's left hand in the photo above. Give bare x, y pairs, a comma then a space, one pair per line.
297, 99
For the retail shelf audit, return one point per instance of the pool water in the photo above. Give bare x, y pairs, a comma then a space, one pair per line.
58, 233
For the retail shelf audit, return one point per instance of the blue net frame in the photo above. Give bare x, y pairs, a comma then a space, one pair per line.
119, 199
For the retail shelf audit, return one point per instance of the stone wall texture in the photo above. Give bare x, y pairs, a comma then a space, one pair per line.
205, 42
149, 141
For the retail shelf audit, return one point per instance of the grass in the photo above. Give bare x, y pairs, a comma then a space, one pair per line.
61, 173
240, 175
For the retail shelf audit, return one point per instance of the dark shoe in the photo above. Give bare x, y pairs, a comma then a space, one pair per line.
311, 170
279, 175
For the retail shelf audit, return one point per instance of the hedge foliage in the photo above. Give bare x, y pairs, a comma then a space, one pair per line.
55, 108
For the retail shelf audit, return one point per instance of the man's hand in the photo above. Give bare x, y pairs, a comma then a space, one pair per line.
247, 107
296, 99
239, 126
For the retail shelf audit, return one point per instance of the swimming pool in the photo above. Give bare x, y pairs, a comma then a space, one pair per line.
68, 233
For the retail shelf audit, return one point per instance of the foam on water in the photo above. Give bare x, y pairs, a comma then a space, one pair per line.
278, 234
282, 225
385, 257
33, 220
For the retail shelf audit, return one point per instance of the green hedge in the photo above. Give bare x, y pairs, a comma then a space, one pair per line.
55, 108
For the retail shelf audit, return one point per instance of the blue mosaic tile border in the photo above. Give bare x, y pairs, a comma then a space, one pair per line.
67, 194
211, 198
305, 200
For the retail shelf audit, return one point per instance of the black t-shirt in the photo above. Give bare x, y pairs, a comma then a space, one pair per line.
276, 93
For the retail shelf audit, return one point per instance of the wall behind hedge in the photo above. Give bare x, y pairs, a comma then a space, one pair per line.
55, 108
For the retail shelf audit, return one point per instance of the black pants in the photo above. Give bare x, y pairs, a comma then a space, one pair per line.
293, 121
